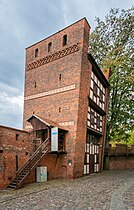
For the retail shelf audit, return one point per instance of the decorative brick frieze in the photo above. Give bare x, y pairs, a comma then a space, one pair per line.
53, 57
51, 92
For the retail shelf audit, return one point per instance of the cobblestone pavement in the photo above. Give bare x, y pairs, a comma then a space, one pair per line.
111, 190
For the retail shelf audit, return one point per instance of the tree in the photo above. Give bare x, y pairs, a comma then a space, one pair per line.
111, 44
131, 138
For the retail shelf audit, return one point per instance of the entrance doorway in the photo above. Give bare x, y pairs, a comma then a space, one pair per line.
91, 162
41, 136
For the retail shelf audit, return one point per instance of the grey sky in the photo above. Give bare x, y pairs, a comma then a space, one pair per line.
24, 22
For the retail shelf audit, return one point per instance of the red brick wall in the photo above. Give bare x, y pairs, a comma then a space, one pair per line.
121, 162
120, 157
11, 148
56, 168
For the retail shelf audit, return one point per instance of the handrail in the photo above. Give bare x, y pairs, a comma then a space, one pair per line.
32, 155
38, 152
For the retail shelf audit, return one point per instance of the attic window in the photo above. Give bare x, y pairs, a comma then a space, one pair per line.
64, 40
36, 53
49, 46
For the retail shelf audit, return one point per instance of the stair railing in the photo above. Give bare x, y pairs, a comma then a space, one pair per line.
33, 160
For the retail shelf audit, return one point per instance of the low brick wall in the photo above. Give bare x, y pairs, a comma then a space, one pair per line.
14, 144
120, 157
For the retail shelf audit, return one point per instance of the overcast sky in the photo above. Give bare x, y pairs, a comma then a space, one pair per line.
24, 22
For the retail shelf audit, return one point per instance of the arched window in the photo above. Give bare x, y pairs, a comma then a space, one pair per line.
36, 53
49, 46
64, 40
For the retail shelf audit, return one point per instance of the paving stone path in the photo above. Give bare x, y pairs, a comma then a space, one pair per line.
112, 190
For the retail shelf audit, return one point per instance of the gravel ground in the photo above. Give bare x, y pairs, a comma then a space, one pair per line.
111, 190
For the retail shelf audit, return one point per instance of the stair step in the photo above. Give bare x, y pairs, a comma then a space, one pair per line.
11, 186
21, 177
27, 168
25, 172
14, 182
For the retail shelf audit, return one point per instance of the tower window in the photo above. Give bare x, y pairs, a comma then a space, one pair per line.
49, 46
17, 136
59, 77
59, 109
34, 84
36, 53
64, 40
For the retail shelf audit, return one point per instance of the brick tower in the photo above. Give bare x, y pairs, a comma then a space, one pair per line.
64, 84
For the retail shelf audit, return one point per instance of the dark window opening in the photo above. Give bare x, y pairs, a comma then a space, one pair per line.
49, 46
59, 109
59, 77
35, 85
17, 136
36, 53
1, 151
26, 153
64, 40
16, 157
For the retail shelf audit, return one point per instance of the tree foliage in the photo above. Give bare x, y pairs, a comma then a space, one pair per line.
111, 44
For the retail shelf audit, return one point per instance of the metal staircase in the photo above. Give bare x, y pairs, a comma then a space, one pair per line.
29, 165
